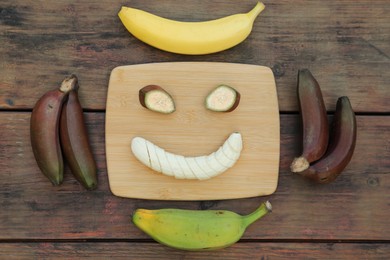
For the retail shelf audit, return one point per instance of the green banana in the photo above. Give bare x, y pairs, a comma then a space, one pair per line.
196, 229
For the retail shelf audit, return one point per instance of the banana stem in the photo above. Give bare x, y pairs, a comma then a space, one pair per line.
69, 83
257, 214
256, 10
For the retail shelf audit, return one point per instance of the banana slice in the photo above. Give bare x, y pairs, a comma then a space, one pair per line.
186, 170
154, 163
165, 166
202, 162
198, 172
139, 144
181, 167
228, 152
214, 164
223, 159
235, 142
176, 169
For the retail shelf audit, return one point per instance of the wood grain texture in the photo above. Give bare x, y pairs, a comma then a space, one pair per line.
354, 207
192, 130
137, 250
344, 44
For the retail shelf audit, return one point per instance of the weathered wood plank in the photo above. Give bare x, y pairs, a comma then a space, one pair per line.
344, 43
355, 207
257, 250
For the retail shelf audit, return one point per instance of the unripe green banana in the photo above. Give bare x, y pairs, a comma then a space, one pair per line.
196, 229
44, 124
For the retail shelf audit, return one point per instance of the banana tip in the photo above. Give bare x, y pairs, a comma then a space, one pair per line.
268, 205
121, 10
256, 10
299, 165
56, 182
69, 83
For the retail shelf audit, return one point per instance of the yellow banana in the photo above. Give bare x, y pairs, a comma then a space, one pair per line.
192, 38
196, 229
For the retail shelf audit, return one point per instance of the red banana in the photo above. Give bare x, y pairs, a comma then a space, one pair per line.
75, 143
314, 120
341, 147
44, 134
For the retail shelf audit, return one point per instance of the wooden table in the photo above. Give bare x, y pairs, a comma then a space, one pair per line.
344, 43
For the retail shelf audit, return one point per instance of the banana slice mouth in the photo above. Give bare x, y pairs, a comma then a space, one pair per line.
186, 167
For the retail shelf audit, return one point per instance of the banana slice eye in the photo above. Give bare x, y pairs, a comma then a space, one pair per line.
155, 98
223, 99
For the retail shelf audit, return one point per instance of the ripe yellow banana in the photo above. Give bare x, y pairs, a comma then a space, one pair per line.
196, 229
192, 38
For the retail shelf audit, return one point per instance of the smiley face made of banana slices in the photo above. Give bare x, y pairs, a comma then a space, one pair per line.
222, 99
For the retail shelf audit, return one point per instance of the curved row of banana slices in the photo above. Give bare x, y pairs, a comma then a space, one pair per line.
181, 167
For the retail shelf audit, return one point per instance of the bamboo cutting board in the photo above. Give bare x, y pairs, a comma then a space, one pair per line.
192, 130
